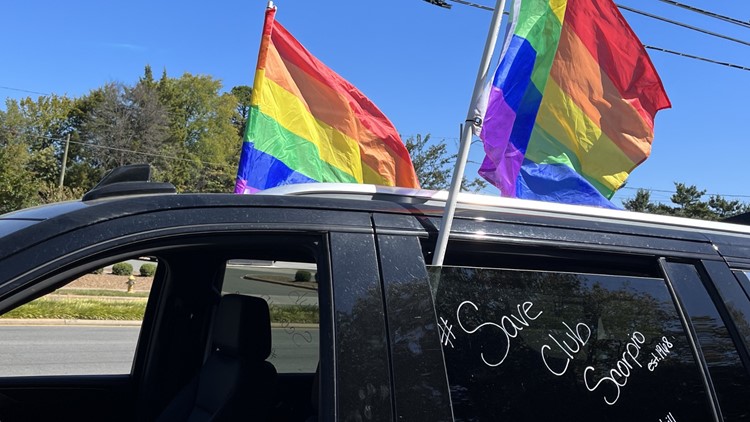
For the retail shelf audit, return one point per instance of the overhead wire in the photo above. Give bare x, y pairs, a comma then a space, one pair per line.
684, 25
24, 90
745, 24
629, 9
478, 6
664, 50
171, 157
488, 8
691, 56
635, 188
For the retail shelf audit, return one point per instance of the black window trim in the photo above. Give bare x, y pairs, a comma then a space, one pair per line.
694, 344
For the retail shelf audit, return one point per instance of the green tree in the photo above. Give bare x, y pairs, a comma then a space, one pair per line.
17, 188
243, 94
202, 138
641, 202
126, 125
723, 208
83, 170
434, 165
30, 149
148, 78
688, 203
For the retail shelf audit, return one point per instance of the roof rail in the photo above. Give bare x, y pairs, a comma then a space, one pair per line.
525, 206
358, 191
133, 179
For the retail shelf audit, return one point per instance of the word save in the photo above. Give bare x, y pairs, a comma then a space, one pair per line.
510, 326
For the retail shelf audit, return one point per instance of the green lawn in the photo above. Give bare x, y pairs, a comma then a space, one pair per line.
79, 308
58, 306
100, 292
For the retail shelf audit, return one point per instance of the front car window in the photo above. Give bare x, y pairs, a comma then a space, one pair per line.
89, 326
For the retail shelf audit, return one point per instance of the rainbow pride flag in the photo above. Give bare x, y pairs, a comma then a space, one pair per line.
570, 111
308, 124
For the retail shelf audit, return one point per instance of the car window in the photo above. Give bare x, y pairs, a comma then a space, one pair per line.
730, 378
89, 326
551, 345
291, 291
744, 278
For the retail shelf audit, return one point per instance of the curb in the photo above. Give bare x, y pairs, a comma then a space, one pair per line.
80, 322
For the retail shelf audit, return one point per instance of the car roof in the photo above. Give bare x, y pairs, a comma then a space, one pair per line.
363, 197
496, 203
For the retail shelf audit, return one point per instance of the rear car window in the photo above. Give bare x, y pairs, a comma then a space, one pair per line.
540, 345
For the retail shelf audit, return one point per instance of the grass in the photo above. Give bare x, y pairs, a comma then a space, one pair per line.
304, 314
78, 308
98, 308
99, 292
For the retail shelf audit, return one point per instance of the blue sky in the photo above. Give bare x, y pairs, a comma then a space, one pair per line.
416, 61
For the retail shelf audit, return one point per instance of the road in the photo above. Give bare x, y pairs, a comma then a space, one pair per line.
274, 293
87, 350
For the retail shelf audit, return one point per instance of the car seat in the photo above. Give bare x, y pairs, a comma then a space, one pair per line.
235, 381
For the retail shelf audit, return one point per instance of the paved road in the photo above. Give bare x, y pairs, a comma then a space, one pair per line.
274, 293
66, 350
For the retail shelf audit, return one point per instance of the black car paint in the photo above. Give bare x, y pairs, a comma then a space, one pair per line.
386, 361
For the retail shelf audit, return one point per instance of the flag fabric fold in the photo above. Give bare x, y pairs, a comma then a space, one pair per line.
570, 110
308, 124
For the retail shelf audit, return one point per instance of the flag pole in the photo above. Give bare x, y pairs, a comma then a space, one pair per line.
472, 121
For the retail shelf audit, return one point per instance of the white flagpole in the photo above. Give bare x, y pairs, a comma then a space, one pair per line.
472, 120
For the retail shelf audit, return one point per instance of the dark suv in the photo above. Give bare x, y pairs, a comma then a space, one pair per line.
317, 302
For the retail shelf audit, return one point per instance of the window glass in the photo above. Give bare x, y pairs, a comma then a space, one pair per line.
744, 278
730, 378
291, 290
535, 345
90, 326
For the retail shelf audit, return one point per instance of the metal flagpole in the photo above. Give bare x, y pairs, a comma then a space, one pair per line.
472, 121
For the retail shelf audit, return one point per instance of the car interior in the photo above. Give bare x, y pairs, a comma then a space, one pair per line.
230, 332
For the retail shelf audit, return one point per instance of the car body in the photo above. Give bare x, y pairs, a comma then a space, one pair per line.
540, 310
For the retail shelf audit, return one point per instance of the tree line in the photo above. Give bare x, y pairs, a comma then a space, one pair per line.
185, 127
190, 132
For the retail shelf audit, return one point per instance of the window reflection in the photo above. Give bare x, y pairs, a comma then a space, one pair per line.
534, 345
730, 378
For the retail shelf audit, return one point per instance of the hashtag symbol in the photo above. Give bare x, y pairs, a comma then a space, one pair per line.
446, 332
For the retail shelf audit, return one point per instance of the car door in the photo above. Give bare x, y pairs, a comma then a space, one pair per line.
544, 318
199, 251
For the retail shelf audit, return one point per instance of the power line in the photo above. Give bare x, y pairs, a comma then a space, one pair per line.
745, 24
684, 25
690, 56
671, 192
650, 15
659, 191
171, 157
478, 6
664, 50
24, 90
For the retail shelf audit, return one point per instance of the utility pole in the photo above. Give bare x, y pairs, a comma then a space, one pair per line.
64, 161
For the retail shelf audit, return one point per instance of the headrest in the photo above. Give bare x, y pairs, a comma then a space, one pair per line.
242, 327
